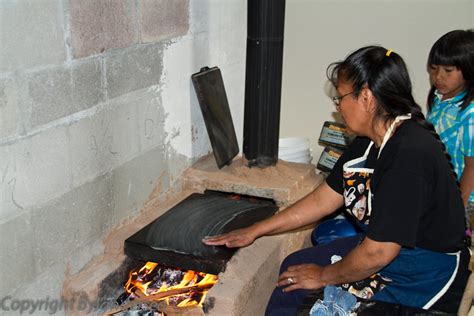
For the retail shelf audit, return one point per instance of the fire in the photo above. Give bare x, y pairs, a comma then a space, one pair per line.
153, 278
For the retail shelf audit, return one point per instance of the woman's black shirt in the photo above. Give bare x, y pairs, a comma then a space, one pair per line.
416, 200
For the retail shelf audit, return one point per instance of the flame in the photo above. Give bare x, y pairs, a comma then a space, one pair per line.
198, 283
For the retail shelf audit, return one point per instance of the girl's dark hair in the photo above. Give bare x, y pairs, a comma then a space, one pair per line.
385, 74
455, 48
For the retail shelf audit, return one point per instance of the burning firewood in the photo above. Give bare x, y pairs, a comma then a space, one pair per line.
162, 306
165, 290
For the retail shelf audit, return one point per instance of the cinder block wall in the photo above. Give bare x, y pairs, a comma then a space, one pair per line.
97, 111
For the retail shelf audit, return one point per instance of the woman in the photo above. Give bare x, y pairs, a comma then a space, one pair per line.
412, 251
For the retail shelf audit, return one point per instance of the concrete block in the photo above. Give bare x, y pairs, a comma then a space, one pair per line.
134, 69
151, 119
44, 288
15, 107
83, 256
163, 19
8, 205
65, 225
133, 182
8, 107
185, 127
100, 25
226, 16
184, 123
60, 91
104, 141
41, 170
199, 12
16, 257
32, 34
177, 163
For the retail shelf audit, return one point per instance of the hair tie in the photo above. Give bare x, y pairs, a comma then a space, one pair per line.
388, 52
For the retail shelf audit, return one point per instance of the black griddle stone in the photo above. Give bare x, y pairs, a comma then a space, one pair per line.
175, 238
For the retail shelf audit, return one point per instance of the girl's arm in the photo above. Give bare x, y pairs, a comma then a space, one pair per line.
467, 179
316, 205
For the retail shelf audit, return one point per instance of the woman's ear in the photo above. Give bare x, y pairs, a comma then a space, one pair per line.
368, 100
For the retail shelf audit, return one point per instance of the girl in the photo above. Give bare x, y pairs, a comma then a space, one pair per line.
451, 105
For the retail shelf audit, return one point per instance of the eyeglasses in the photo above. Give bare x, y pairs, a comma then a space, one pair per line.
337, 99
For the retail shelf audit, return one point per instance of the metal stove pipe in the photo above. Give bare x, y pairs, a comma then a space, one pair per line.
265, 28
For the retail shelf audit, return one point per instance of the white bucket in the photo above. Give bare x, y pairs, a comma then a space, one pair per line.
294, 149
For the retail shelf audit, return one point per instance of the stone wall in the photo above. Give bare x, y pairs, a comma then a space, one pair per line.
98, 116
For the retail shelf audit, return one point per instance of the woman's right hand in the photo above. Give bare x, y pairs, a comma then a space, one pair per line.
236, 238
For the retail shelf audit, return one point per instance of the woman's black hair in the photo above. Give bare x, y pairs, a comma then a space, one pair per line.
455, 48
385, 74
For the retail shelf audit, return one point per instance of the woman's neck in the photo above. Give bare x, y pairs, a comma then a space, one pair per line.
379, 130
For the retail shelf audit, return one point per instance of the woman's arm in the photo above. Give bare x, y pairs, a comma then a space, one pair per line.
467, 179
319, 203
366, 259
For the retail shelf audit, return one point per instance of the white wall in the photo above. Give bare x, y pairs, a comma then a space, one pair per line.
207, 44
318, 32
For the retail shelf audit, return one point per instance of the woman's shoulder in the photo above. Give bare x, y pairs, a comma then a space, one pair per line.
413, 146
414, 135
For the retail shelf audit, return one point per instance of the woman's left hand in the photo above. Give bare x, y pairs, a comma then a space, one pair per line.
304, 276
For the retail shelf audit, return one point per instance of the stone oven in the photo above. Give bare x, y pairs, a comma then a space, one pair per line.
249, 277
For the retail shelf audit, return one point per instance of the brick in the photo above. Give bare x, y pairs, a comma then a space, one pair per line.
67, 224
134, 69
163, 19
8, 107
101, 25
61, 91
16, 257
103, 141
32, 34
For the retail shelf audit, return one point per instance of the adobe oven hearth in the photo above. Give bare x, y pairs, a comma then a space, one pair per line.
249, 276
